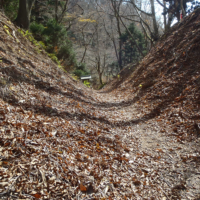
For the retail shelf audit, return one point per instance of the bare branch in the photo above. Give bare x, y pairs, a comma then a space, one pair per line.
136, 7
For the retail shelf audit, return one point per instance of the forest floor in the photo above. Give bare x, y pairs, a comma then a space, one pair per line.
138, 138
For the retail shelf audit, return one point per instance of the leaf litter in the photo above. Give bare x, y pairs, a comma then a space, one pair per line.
60, 140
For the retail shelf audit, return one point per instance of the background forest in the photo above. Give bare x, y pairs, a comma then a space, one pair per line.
97, 37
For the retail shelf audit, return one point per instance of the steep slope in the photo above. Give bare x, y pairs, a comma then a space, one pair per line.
60, 140
166, 84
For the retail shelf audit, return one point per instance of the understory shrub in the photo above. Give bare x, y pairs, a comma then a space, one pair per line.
87, 83
53, 36
36, 28
81, 70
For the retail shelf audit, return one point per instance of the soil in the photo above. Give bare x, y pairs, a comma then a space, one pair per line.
176, 162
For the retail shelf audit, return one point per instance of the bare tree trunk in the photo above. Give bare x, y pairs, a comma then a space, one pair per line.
164, 11
99, 69
116, 11
2, 4
24, 13
182, 8
155, 27
170, 17
100, 78
56, 10
120, 55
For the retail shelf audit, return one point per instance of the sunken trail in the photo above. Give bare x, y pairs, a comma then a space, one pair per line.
138, 138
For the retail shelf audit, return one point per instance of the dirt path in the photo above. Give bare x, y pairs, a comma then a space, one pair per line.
75, 143
181, 171
160, 165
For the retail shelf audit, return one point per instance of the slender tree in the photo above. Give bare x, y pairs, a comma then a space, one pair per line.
116, 9
1, 4
24, 13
